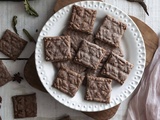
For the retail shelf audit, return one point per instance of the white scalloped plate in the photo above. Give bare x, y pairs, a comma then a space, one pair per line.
132, 46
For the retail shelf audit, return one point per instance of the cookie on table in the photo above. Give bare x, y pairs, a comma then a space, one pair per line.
68, 81
24, 106
82, 19
111, 31
12, 45
117, 68
57, 48
5, 76
77, 37
109, 49
89, 55
98, 89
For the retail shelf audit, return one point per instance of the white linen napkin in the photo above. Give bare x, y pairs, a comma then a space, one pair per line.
145, 105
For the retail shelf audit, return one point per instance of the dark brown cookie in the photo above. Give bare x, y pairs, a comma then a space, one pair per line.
24, 106
5, 76
57, 48
82, 19
77, 37
68, 81
89, 55
111, 31
12, 45
117, 68
98, 89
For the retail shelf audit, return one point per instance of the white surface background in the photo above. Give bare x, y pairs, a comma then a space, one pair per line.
48, 108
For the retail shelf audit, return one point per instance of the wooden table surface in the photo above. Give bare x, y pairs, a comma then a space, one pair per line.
48, 108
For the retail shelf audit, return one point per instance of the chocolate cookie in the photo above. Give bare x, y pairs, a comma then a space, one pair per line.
24, 106
57, 48
5, 76
68, 81
82, 19
98, 89
117, 68
12, 45
89, 55
111, 31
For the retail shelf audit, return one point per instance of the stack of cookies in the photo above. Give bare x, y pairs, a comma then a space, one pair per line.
82, 57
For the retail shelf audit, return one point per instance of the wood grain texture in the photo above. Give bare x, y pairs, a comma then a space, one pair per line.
30, 74
62, 3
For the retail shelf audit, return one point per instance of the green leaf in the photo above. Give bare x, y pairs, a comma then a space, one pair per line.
31, 39
29, 9
14, 23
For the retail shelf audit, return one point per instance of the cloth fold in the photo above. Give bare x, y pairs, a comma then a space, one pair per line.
145, 105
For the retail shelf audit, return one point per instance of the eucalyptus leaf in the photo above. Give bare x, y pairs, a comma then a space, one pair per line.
31, 39
29, 9
14, 23
142, 3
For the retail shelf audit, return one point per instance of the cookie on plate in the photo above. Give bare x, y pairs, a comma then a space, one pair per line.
68, 81
89, 55
98, 89
117, 68
82, 19
111, 31
57, 48
109, 49
77, 37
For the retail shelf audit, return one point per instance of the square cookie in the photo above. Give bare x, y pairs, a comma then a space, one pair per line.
109, 49
68, 81
77, 37
57, 48
12, 45
111, 31
5, 76
117, 68
71, 65
98, 89
82, 19
89, 55
24, 106
95, 72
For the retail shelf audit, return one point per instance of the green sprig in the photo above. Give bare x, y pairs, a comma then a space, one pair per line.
29, 9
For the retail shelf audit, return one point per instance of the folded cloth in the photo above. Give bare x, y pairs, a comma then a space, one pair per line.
145, 105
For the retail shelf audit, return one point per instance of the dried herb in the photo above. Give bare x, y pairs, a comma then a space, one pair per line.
142, 3
31, 39
29, 9
14, 23
17, 77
